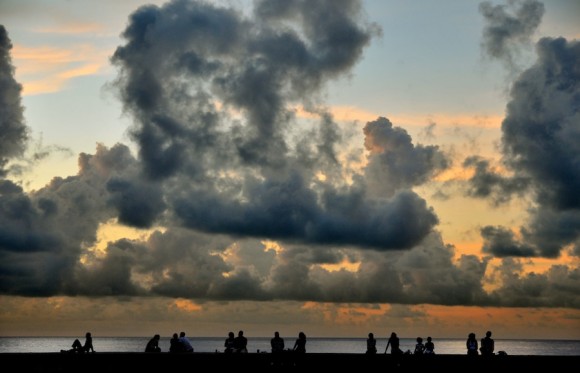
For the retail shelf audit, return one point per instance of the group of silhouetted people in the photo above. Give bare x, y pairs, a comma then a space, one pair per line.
428, 348
239, 344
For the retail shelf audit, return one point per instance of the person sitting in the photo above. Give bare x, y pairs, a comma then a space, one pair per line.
77, 347
229, 343
471, 345
429, 347
300, 344
241, 343
487, 345
371, 344
88, 347
277, 343
187, 347
394, 343
419, 347
153, 344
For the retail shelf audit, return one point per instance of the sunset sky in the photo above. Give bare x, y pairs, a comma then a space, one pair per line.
335, 167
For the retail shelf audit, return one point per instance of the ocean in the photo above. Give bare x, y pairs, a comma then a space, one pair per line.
262, 344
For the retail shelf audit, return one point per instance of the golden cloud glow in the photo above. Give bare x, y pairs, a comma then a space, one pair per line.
48, 69
186, 305
351, 113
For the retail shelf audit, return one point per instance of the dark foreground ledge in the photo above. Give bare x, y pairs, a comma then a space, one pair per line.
108, 362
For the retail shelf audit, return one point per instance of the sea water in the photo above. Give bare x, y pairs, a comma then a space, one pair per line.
262, 344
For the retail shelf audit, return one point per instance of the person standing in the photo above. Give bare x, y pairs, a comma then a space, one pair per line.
487, 344
471, 345
187, 347
371, 344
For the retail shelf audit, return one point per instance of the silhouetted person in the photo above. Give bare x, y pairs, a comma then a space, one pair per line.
153, 344
241, 342
175, 344
300, 344
471, 345
187, 347
487, 344
429, 347
76, 347
229, 343
88, 346
394, 343
371, 344
277, 343
419, 347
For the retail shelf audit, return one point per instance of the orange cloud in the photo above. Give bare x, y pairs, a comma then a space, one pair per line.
186, 305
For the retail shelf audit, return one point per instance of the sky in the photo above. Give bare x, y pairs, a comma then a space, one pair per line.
333, 167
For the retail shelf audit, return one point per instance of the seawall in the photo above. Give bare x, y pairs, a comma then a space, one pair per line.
149, 362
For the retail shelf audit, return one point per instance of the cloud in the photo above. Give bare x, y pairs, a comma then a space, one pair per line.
13, 130
539, 148
504, 33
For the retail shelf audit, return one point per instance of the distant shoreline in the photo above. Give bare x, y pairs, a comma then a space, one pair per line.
104, 362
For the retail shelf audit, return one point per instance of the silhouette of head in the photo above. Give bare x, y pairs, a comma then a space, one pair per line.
231, 334
276, 334
371, 335
488, 334
428, 339
182, 334
241, 333
419, 339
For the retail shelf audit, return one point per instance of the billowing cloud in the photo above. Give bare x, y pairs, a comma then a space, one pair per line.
13, 130
504, 32
540, 151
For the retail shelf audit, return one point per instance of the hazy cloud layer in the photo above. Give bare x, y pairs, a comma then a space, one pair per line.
245, 201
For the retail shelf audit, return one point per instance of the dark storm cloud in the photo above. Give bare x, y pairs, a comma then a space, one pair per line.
13, 131
539, 144
505, 32
486, 182
502, 242
557, 287
42, 234
216, 124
